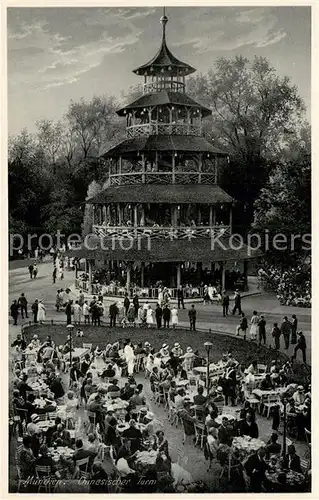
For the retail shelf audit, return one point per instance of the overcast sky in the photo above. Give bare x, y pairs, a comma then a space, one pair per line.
59, 54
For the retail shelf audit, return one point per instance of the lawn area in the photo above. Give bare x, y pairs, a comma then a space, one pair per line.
244, 352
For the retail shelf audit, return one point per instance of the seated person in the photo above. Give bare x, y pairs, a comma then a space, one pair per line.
109, 372
225, 433
161, 443
199, 399
93, 444
44, 460
26, 458
212, 440
299, 396
292, 460
126, 392
122, 463
172, 391
273, 447
81, 453
134, 435
113, 389
137, 399
63, 435
99, 479
95, 406
51, 430
210, 419
56, 386
179, 399
248, 426
266, 384
165, 385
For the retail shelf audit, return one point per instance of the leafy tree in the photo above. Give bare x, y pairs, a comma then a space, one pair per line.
93, 189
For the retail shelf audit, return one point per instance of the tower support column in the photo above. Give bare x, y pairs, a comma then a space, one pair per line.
142, 273
128, 277
223, 266
179, 274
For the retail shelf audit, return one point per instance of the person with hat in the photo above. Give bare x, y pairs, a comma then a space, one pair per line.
256, 468
237, 302
302, 346
219, 396
26, 458
188, 357
173, 363
192, 313
285, 330
19, 342
262, 329
174, 317
164, 350
273, 447
32, 427
299, 396
158, 315
243, 325
177, 350
134, 435
180, 297
23, 304
225, 303
44, 460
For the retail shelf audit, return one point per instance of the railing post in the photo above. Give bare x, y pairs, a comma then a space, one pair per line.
173, 168
143, 166
200, 168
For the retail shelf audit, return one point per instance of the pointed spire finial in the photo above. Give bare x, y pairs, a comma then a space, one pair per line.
164, 20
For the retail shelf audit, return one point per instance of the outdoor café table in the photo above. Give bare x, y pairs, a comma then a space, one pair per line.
145, 460
200, 370
261, 394
182, 383
79, 352
123, 426
294, 480
247, 445
43, 403
230, 417
39, 385
45, 424
61, 452
116, 404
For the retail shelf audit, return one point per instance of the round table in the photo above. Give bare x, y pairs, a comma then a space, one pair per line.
247, 445
229, 417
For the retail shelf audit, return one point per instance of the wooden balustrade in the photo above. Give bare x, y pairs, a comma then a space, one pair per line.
163, 233
131, 178
146, 129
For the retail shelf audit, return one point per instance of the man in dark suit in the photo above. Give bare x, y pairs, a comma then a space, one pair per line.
44, 460
199, 399
273, 448
256, 467
23, 304
248, 426
96, 407
166, 316
80, 453
14, 309
158, 315
126, 303
224, 433
180, 298
113, 312
237, 303
192, 318
225, 303
301, 344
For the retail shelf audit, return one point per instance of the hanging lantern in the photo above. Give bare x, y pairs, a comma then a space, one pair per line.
160, 110
178, 208
173, 108
198, 111
125, 111
169, 67
208, 155
151, 69
144, 109
175, 154
162, 70
137, 72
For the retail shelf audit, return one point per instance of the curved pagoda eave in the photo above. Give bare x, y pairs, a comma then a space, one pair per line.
164, 98
166, 143
157, 193
196, 250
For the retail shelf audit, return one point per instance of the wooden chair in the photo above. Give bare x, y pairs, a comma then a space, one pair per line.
82, 466
305, 465
42, 472
200, 413
199, 433
182, 459
51, 415
17, 455
92, 421
272, 401
158, 396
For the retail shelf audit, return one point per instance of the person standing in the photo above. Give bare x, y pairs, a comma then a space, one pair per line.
225, 303
254, 326
180, 297
192, 318
30, 268
237, 302
158, 315
23, 304
262, 329
294, 326
285, 330
41, 312
126, 303
149, 316
302, 346
113, 312
68, 312
86, 312
35, 308
35, 271
81, 298
174, 317
61, 273
276, 335
243, 325
14, 311
54, 275
136, 304
77, 313
166, 316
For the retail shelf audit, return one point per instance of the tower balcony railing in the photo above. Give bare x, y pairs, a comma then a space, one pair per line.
155, 128
171, 233
160, 85
133, 178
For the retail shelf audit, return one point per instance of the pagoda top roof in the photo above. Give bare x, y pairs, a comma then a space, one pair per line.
163, 98
164, 60
163, 143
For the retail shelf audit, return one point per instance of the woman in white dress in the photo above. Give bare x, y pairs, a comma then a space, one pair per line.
77, 313
41, 312
174, 313
129, 358
254, 326
160, 296
149, 316
98, 360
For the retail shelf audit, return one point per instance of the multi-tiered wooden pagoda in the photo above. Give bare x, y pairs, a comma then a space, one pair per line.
163, 207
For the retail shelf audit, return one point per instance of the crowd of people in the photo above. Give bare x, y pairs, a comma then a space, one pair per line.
97, 409
293, 286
